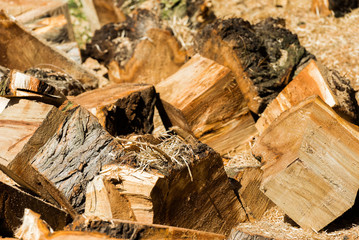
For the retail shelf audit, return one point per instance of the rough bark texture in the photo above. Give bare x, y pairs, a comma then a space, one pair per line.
63, 82
13, 202
264, 55
122, 108
74, 155
117, 41
133, 230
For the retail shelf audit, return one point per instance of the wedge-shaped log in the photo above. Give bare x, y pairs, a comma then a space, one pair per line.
155, 58
134, 230
54, 152
37, 53
314, 79
122, 108
262, 65
212, 103
13, 203
247, 184
310, 157
170, 190
34, 227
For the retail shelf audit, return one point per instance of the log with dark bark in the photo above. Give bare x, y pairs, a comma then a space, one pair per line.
212, 103
137, 50
13, 202
63, 82
117, 41
57, 152
163, 189
37, 53
339, 7
15, 84
261, 64
314, 79
310, 163
134, 230
122, 108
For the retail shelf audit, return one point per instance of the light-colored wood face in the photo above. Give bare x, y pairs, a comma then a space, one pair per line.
310, 81
18, 122
310, 162
17, 7
212, 103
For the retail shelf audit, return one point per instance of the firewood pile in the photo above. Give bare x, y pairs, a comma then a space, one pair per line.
138, 134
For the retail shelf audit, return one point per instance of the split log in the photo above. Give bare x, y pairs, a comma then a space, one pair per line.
57, 152
63, 83
134, 230
314, 79
103, 200
34, 228
102, 12
122, 108
247, 184
154, 59
212, 103
37, 53
262, 65
167, 190
13, 203
18, 85
137, 50
310, 163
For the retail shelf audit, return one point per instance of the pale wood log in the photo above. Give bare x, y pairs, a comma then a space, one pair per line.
34, 228
212, 103
103, 200
253, 200
310, 163
37, 53
13, 203
137, 230
121, 108
155, 58
314, 79
244, 48
169, 195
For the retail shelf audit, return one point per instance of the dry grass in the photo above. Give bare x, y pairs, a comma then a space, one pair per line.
171, 152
